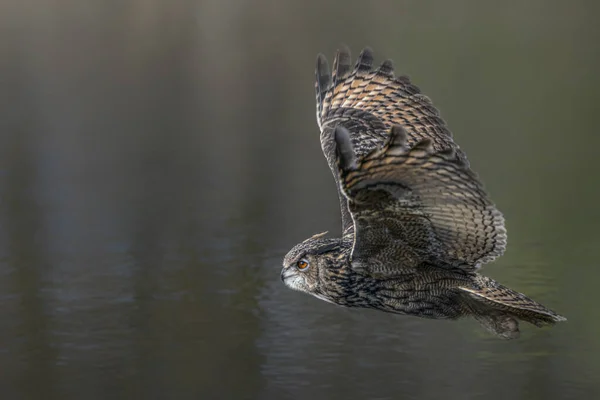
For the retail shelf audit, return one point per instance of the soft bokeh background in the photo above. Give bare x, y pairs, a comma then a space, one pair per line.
158, 158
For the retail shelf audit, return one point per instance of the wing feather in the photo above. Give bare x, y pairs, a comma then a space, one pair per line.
368, 102
418, 205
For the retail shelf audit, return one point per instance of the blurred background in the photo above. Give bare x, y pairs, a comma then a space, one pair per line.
158, 159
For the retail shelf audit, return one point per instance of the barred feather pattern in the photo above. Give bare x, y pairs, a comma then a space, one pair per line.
368, 102
416, 205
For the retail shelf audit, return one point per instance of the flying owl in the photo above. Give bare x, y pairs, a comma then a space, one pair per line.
417, 223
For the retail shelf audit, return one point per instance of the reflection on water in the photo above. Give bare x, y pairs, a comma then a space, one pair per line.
158, 159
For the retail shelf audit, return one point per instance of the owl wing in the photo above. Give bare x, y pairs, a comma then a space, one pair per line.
368, 102
416, 206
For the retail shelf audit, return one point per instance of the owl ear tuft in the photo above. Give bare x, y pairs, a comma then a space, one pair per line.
345, 152
316, 236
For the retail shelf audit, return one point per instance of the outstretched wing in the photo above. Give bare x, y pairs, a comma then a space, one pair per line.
416, 206
368, 102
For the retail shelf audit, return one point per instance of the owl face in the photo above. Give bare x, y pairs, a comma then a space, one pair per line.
301, 273
305, 265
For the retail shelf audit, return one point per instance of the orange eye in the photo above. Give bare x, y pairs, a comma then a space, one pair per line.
302, 264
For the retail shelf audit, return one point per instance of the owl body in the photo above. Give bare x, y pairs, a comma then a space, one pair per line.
429, 295
417, 223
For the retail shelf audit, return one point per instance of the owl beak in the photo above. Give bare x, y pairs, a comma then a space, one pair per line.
286, 273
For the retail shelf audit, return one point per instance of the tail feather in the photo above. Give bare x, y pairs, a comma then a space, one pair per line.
498, 308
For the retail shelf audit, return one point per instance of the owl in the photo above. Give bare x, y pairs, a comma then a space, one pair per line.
417, 224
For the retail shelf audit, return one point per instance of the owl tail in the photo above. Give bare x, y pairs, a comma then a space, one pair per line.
498, 308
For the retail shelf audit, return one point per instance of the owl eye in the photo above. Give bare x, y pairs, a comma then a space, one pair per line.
302, 264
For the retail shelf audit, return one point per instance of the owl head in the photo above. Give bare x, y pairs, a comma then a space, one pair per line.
306, 265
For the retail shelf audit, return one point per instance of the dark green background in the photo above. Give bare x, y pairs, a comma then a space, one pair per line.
158, 159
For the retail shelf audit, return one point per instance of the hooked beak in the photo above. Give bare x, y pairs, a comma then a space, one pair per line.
286, 273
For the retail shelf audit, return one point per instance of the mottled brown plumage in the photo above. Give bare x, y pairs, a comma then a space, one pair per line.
417, 223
